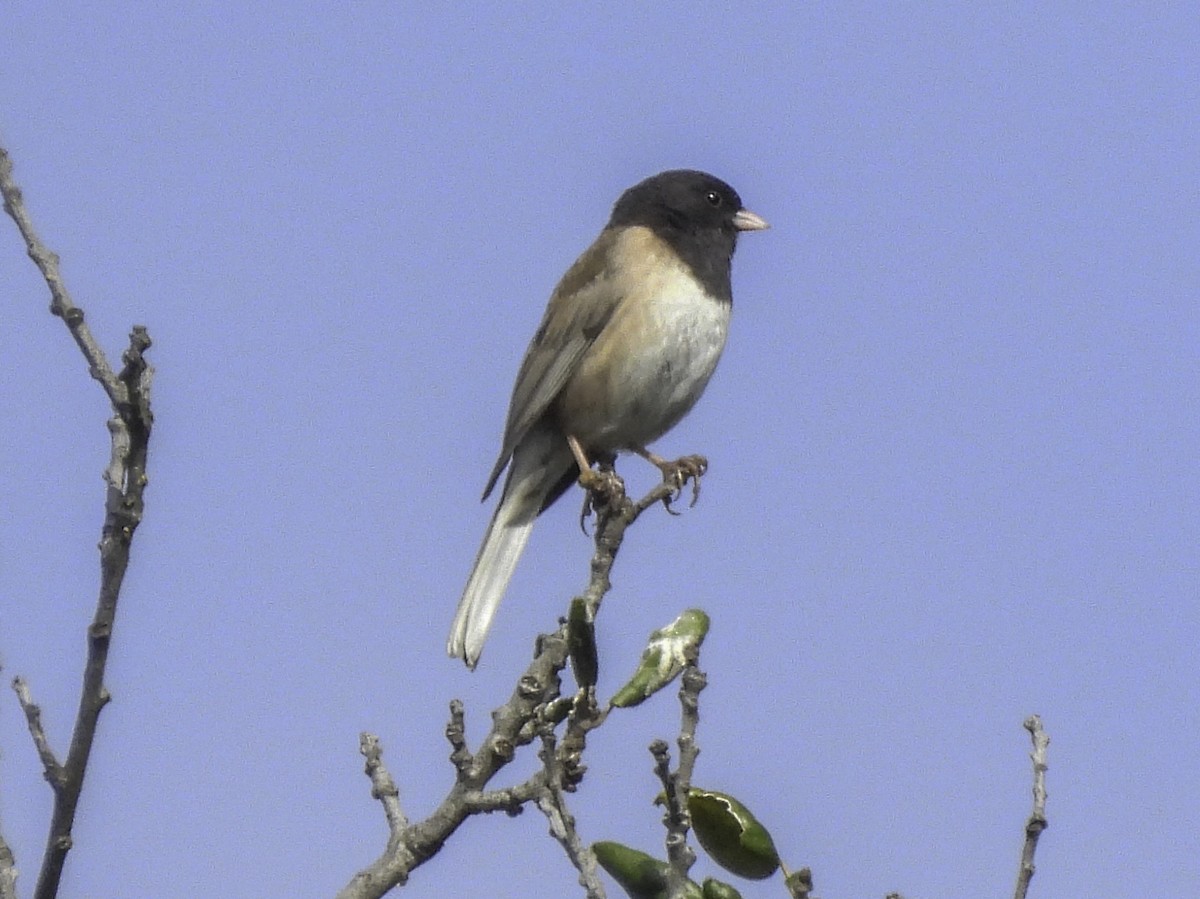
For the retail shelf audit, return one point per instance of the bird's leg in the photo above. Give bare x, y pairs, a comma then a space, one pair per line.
604, 485
609, 480
677, 474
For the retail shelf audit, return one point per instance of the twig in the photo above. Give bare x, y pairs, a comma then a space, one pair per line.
799, 883
563, 769
692, 682
51, 767
562, 827
1037, 818
613, 519
383, 787
511, 727
60, 299
8, 872
552, 802
677, 784
129, 428
516, 723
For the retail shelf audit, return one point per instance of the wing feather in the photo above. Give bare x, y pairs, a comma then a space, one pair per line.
581, 305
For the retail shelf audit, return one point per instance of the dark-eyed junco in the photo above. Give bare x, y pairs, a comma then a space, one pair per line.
629, 339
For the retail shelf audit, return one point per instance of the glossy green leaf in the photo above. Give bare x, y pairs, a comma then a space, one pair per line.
731, 835
642, 876
581, 643
717, 889
664, 658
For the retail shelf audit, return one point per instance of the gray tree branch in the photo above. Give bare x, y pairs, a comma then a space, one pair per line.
677, 783
1037, 818
529, 714
129, 428
8, 872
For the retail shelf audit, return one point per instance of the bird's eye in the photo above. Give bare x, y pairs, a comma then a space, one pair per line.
714, 198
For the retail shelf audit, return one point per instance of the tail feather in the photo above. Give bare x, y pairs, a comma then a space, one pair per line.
494, 566
540, 462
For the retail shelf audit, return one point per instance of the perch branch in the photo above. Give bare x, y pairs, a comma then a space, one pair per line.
521, 720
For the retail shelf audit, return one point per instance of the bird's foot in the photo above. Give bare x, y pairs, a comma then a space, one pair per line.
605, 489
604, 485
678, 473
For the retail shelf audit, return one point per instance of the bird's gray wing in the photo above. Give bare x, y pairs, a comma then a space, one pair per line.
580, 307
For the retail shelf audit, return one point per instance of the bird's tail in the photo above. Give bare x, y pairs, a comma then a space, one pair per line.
537, 468
494, 566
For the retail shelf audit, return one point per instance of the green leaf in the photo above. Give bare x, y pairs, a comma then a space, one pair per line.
731, 835
718, 889
642, 876
664, 658
581, 643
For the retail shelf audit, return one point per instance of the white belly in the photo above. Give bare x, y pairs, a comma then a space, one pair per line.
649, 365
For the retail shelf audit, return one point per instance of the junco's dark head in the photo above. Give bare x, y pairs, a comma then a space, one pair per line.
697, 214
684, 200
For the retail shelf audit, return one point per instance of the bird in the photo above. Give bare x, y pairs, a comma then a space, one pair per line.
626, 346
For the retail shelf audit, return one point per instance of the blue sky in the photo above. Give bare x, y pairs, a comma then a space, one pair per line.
953, 441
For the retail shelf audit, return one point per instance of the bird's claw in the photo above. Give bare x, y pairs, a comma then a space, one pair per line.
604, 484
678, 473
605, 488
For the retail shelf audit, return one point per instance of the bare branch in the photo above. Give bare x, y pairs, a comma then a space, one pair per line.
613, 518
677, 784
563, 769
456, 733
8, 872
512, 726
60, 299
383, 787
553, 805
52, 769
129, 428
1037, 818
692, 682
799, 883
526, 716
8, 866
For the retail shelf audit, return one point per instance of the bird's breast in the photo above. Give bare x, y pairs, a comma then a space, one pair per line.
650, 364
